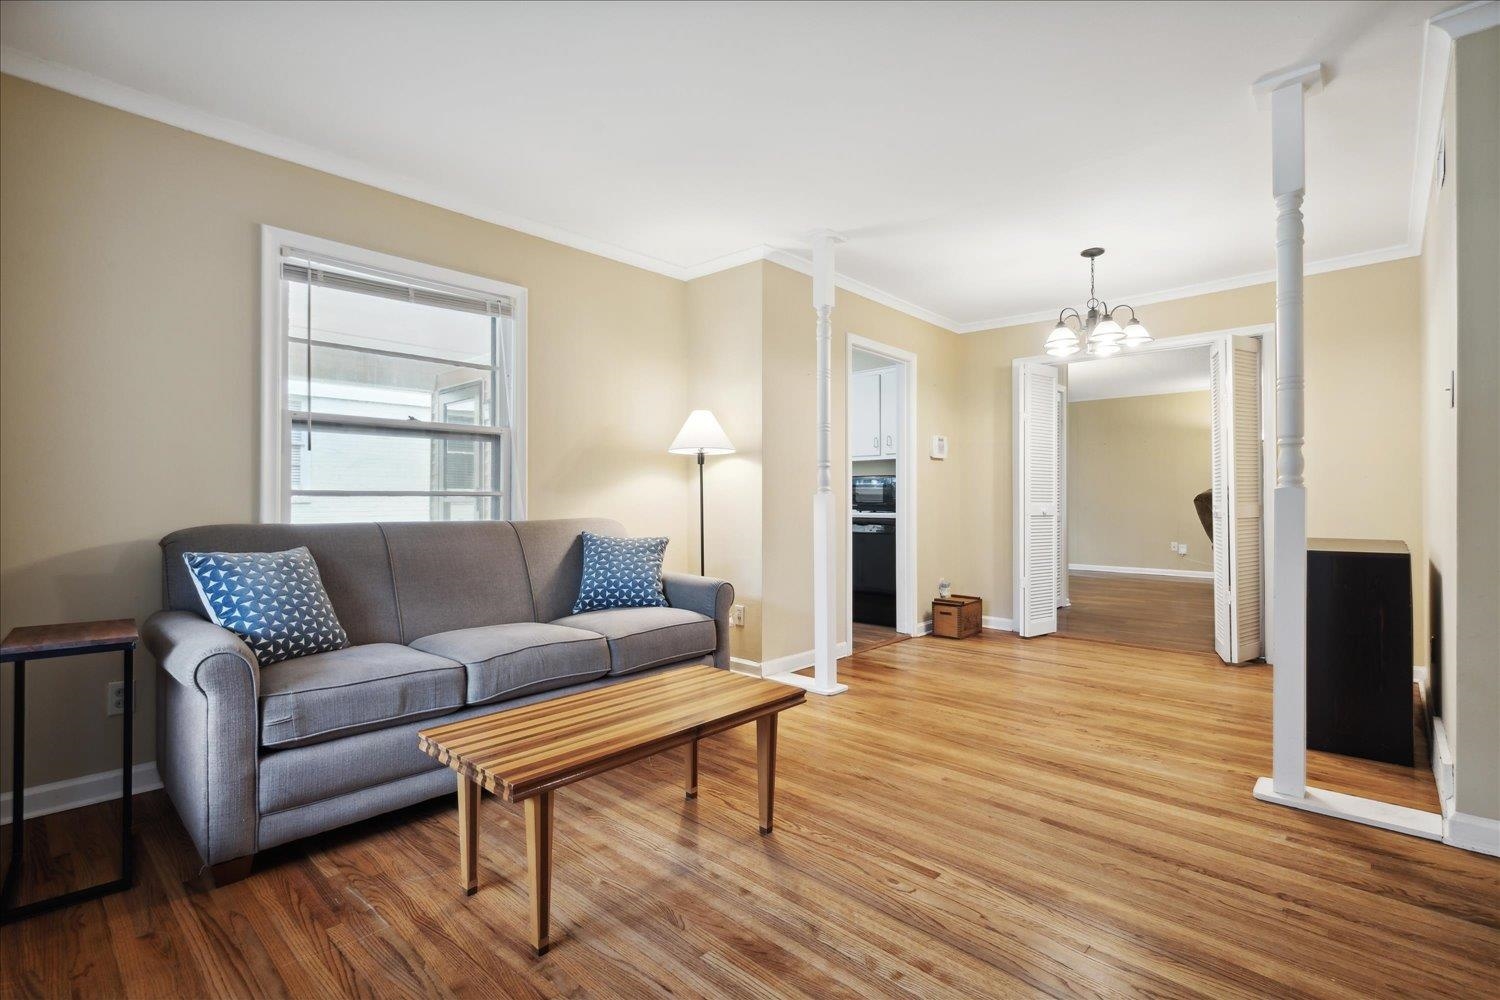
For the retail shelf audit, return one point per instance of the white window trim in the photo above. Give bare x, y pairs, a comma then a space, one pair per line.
275, 418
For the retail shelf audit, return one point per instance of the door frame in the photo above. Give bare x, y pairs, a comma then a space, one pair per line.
905, 363
1266, 333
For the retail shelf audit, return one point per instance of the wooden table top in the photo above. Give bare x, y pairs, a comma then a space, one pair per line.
539, 747
82, 637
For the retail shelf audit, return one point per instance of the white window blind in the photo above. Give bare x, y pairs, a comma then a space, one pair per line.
397, 395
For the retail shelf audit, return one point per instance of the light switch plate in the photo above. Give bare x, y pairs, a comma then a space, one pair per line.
939, 446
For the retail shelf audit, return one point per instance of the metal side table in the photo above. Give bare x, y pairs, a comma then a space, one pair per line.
42, 642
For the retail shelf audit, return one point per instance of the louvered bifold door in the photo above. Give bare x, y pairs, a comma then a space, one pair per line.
1234, 392
1040, 457
1247, 580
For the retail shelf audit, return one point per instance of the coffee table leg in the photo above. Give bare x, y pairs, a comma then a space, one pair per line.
539, 861
690, 782
765, 758
468, 833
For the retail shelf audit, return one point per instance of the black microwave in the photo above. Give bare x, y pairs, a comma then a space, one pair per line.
874, 494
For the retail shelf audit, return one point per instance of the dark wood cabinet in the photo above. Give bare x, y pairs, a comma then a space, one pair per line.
1359, 648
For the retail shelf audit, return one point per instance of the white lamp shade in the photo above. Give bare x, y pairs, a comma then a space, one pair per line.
1107, 332
701, 432
1136, 334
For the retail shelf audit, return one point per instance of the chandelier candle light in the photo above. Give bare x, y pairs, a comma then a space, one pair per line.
1102, 335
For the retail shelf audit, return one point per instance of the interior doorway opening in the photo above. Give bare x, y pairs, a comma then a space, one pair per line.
1108, 542
880, 536
1136, 457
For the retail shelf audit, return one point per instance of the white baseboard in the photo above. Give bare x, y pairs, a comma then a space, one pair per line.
924, 627
1181, 574
59, 796
1356, 809
784, 664
1473, 833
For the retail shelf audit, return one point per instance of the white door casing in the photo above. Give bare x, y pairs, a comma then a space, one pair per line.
1234, 394
1036, 499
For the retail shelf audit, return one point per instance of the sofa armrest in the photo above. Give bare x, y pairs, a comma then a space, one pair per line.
207, 730
201, 655
706, 596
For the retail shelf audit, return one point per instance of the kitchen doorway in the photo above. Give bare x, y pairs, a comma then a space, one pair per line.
880, 536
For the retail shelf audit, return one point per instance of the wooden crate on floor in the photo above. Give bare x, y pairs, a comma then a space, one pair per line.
957, 617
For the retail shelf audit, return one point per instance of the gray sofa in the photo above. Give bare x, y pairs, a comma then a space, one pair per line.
445, 621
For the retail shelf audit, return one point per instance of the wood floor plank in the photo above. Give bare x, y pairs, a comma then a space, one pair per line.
989, 817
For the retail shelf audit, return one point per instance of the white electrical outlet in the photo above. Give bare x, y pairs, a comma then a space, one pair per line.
114, 698
1182, 548
737, 615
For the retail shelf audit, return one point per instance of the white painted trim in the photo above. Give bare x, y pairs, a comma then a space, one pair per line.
1399, 819
810, 684
793, 262
1437, 57
1185, 574
107, 92
1468, 19
998, 624
905, 363
1442, 765
1473, 833
86, 790
786, 664
1362, 259
274, 420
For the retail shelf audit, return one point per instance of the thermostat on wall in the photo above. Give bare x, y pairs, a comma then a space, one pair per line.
940, 446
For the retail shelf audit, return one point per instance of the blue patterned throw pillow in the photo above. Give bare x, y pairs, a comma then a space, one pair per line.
275, 601
620, 573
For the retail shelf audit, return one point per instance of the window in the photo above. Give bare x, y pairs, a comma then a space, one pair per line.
391, 388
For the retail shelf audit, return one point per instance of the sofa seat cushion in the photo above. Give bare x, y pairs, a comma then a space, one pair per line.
648, 637
351, 690
508, 661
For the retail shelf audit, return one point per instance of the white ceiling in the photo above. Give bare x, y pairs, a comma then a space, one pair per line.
968, 151
1148, 374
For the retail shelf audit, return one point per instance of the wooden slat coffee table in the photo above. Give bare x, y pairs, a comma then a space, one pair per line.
526, 754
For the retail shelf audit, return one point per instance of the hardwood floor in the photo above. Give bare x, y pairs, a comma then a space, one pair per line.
868, 637
990, 817
1155, 611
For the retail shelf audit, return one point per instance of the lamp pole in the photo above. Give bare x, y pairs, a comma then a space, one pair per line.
701, 563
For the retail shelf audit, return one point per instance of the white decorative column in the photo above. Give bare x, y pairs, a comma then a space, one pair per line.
1289, 582
825, 602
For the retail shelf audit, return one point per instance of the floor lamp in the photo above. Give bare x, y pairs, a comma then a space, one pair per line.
701, 435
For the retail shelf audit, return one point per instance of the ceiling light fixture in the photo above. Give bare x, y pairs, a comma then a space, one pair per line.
1100, 334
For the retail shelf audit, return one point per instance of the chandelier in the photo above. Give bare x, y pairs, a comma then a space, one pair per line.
1101, 334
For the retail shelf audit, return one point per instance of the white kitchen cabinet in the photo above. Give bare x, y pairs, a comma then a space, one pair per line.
874, 415
864, 415
889, 414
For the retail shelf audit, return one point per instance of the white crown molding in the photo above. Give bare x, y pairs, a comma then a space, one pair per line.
1468, 19
1362, 259
102, 91
1437, 55
804, 266
237, 133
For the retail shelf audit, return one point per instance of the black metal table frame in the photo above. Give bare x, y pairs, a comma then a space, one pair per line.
9, 912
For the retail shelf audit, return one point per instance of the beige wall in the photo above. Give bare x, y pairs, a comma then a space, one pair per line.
1134, 466
129, 365
1363, 358
790, 445
1460, 300
724, 364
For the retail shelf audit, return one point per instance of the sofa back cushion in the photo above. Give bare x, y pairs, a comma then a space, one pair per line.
352, 561
397, 582
554, 560
456, 575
